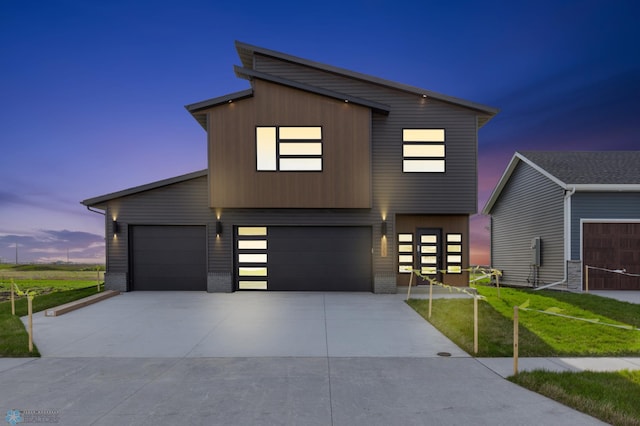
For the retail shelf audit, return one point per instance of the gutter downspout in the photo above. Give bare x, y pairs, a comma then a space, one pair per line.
96, 211
567, 237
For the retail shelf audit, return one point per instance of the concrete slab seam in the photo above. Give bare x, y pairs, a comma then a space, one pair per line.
135, 392
326, 337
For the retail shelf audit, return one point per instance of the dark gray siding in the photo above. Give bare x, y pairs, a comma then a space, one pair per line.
453, 192
600, 205
529, 206
184, 203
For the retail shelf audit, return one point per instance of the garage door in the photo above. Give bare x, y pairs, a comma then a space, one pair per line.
612, 246
285, 258
168, 258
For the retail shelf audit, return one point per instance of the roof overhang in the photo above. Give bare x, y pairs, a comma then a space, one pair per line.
515, 160
518, 157
246, 53
198, 109
251, 74
100, 202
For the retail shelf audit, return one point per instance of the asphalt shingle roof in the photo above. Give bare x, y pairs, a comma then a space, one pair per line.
589, 167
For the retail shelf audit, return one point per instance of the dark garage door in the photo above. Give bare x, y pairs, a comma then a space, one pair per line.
168, 258
612, 246
315, 259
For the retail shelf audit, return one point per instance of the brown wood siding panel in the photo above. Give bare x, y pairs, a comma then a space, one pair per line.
345, 180
458, 224
453, 192
612, 246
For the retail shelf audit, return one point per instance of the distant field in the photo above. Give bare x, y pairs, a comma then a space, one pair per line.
45, 279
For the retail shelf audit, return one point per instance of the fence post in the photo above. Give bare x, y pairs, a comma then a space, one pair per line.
409, 289
586, 279
30, 313
13, 299
515, 340
498, 283
475, 324
430, 296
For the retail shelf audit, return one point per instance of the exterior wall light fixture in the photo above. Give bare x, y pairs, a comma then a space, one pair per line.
218, 227
116, 226
383, 229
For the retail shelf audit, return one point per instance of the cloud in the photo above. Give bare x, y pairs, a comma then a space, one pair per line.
52, 246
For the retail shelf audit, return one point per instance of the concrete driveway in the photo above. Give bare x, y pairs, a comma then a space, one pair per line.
195, 324
261, 359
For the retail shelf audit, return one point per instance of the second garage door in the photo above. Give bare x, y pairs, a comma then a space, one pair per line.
307, 259
168, 258
612, 246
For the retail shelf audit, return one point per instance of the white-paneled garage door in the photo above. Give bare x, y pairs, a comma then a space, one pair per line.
291, 258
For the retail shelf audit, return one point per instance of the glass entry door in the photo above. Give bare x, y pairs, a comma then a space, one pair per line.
429, 252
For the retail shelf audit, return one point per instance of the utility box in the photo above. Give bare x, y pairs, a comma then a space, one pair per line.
536, 251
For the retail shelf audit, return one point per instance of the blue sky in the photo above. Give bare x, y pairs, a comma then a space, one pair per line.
92, 93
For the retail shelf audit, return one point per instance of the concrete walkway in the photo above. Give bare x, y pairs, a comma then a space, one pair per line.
255, 358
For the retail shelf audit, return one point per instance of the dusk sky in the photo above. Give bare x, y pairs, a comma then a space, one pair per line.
92, 93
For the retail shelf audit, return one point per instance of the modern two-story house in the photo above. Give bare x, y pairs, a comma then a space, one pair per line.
319, 178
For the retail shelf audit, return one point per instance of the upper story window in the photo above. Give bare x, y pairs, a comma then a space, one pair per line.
423, 150
288, 148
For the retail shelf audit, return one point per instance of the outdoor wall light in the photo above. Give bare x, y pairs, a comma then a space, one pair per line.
116, 226
218, 228
383, 229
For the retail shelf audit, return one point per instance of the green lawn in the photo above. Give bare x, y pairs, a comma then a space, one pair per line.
54, 285
611, 397
540, 334
45, 279
13, 336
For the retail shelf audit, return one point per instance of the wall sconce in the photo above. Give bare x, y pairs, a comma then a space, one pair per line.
116, 227
218, 227
383, 229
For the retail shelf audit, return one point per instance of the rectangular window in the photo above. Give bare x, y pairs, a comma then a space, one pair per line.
423, 151
405, 253
289, 149
266, 148
252, 244
300, 164
454, 253
252, 272
252, 285
252, 230
252, 258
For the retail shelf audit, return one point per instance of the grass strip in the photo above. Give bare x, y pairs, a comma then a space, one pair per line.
566, 336
541, 335
14, 339
454, 318
609, 396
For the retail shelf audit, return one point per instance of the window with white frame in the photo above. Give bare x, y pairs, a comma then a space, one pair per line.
289, 148
423, 151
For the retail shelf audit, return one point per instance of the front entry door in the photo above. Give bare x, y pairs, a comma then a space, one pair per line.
429, 252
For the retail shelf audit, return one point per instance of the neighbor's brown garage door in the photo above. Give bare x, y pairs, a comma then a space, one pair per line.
168, 258
612, 246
